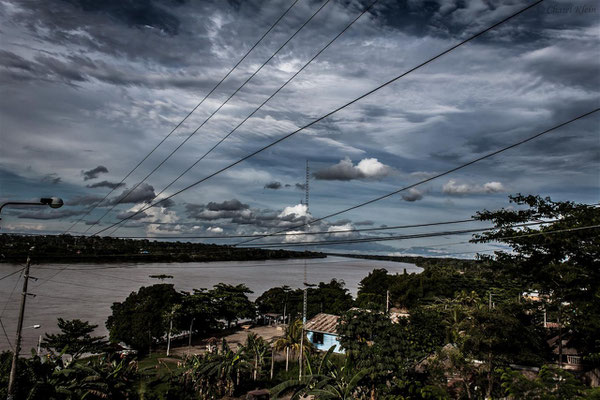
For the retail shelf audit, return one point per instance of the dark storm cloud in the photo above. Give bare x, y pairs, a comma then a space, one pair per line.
412, 195
45, 215
102, 77
83, 200
74, 69
142, 193
52, 178
579, 69
364, 223
107, 184
455, 18
139, 13
93, 173
239, 213
273, 185
131, 216
227, 205
341, 222
300, 186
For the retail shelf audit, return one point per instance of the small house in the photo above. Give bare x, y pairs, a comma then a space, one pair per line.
321, 331
572, 359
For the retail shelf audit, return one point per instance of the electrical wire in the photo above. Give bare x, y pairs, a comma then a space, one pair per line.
11, 274
383, 228
435, 234
208, 118
323, 116
6, 335
412, 236
261, 105
435, 176
186, 117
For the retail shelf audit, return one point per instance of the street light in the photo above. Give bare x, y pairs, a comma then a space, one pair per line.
52, 202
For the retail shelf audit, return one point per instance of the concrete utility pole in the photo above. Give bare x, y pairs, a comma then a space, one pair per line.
301, 352
169, 336
191, 326
13, 367
387, 301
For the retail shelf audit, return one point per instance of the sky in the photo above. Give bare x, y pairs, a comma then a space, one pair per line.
90, 88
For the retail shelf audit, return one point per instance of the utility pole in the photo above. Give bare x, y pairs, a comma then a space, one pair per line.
272, 360
305, 294
13, 367
191, 326
301, 352
387, 301
169, 336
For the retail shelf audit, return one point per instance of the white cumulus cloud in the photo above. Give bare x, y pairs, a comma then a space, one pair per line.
454, 188
345, 170
214, 229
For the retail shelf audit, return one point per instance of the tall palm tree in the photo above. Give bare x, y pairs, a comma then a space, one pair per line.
291, 341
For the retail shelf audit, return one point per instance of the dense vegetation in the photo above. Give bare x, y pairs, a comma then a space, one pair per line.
73, 249
471, 332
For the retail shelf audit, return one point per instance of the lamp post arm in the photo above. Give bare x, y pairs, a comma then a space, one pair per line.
20, 203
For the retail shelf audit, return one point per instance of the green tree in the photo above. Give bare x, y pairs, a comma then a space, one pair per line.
330, 298
200, 307
232, 302
142, 319
74, 339
280, 300
372, 289
563, 264
550, 384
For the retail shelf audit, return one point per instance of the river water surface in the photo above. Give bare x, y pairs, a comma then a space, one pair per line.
86, 291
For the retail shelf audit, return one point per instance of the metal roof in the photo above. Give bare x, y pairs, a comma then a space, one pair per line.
324, 323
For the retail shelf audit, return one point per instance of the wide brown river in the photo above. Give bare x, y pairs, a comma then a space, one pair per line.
86, 291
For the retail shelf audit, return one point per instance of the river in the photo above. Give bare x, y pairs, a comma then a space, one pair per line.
86, 291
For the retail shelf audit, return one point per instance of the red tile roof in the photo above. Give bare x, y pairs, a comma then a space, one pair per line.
325, 323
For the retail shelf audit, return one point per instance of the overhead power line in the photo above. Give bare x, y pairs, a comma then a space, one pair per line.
209, 117
365, 10
435, 176
315, 121
11, 274
187, 116
384, 228
417, 236
411, 236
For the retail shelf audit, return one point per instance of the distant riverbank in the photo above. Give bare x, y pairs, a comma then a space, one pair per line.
67, 249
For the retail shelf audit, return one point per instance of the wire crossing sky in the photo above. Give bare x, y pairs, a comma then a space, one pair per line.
327, 115
184, 119
90, 90
160, 164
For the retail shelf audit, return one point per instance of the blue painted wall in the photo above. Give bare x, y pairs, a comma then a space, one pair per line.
328, 341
